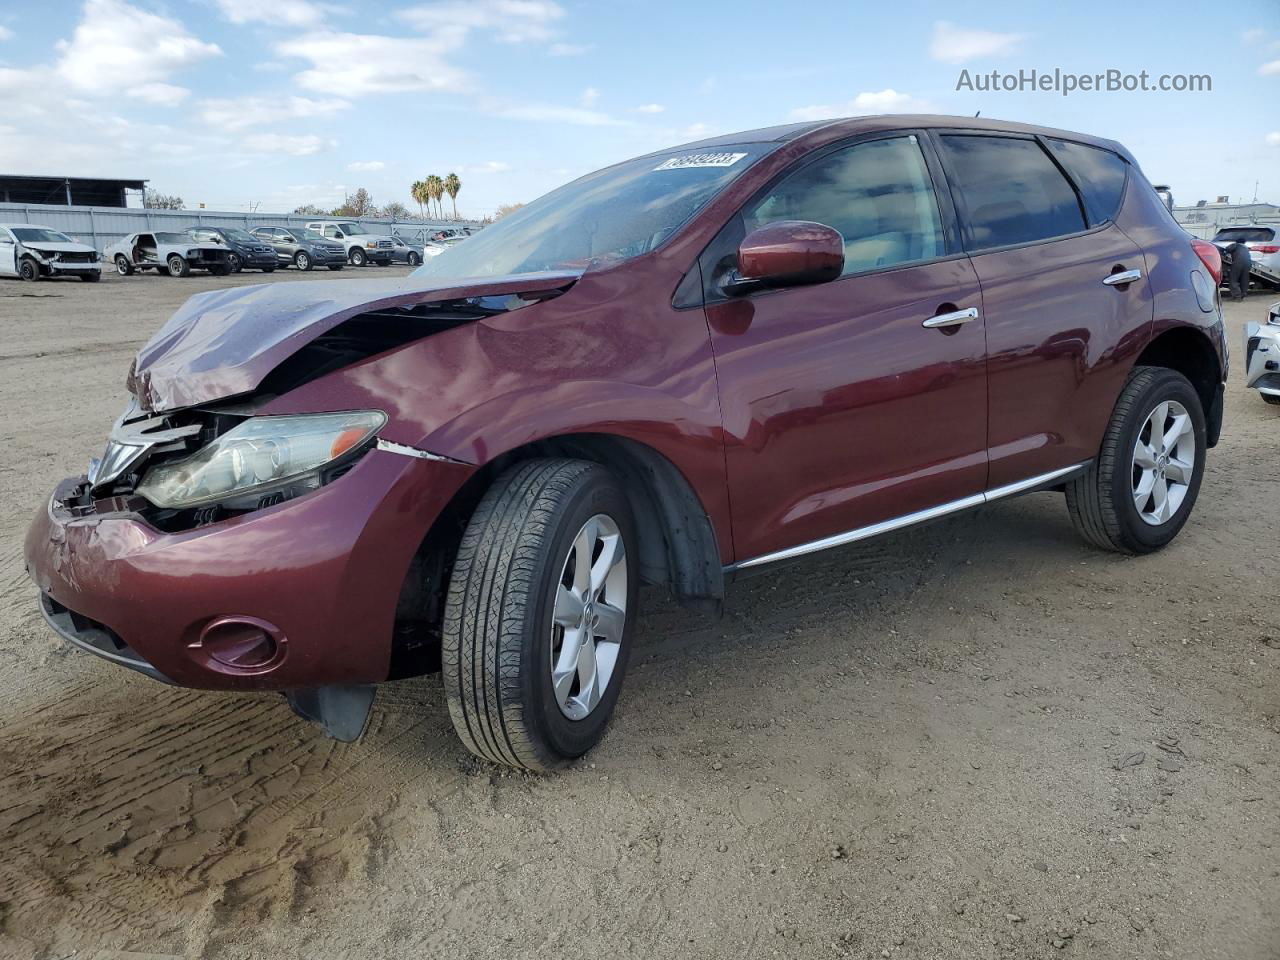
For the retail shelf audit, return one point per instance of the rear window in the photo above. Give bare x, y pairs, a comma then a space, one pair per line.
1010, 190
1099, 174
1245, 235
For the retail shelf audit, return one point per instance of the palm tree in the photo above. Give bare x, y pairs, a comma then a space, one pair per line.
451, 186
419, 193
435, 189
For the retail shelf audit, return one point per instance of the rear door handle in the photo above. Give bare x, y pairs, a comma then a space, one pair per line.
951, 319
1119, 279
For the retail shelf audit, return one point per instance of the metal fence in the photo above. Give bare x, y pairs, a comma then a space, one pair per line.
102, 226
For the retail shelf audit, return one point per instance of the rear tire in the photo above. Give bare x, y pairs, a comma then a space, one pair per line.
414, 259
1107, 504
512, 623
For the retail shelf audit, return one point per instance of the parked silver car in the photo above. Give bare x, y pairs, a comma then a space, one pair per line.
1264, 251
1262, 356
30, 252
176, 253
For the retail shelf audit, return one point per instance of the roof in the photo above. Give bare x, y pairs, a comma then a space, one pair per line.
132, 184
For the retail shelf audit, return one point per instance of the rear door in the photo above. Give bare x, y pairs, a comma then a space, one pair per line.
8, 254
841, 409
1060, 318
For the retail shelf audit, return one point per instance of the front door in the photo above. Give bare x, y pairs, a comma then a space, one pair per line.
1060, 330
842, 410
8, 254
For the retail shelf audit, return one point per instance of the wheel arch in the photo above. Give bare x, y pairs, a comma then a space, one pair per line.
1190, 351
678, 545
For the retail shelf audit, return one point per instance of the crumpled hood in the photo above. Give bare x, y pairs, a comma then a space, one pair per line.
223, 343
58, 247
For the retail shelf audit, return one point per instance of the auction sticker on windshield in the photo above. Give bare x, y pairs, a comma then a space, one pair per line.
701, 160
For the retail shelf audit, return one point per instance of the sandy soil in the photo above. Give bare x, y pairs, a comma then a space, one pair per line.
978, 738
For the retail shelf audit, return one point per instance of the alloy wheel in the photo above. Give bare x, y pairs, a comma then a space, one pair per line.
1164, 460
589, 617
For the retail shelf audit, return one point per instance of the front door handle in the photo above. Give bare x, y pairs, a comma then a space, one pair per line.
1120, 279
951, 319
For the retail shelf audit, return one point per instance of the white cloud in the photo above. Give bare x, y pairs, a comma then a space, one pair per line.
365, 166
695, 131
1273, 139
509, 21
358, 64
1271, 69
542, 112
1253, 35
5, 33
164, 94
119, 47
880, 101
590, 96
300, 145
650, 108
570, 49
240, 113
954, 44
281, 13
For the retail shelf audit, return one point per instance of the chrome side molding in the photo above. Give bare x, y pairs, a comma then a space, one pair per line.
390, 446
910, 519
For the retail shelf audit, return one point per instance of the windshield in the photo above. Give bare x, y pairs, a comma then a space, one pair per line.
173, 238
607, 216
40, 235
238, 235
353, 229
1246, 234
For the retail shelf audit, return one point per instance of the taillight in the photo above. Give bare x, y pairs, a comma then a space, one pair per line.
1266, 248
1210, 256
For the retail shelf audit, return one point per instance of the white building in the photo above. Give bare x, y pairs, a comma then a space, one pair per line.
1204, 219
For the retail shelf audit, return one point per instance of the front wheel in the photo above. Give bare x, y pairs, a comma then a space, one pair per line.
414, 259
123, 266
1139, 492
358, 258
236, 263
28, 269
302, 261
537, 620
1270, 398
178, 266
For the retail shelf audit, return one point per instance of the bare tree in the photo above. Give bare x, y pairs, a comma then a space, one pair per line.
358, 204
506, 208
395, 210
153, 200
310, 210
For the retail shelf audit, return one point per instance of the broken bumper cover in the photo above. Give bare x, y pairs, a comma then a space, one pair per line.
319, 576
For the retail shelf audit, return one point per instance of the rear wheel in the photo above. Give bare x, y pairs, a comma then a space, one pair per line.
536, 625
123, 266
28, 269
178, 266
302, 260
414, 259
1140, 490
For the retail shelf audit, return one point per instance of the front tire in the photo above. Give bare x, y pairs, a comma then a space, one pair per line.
414, 259
1270, 398
236, 263
302, 261
178, 266
28, 269
358, 258
123, 266
1139, 492
537, 620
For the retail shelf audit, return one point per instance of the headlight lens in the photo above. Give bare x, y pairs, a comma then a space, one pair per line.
370, 244
262, 455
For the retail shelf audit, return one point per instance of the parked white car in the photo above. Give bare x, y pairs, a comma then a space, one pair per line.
175, 253
1264, 251
1262, 355
363, 246
30, 252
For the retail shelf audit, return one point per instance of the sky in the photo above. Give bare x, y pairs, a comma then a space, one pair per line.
270, 104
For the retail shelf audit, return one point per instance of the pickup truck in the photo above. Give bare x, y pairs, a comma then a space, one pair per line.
362, 246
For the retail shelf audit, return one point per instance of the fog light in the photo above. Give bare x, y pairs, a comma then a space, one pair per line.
240, 644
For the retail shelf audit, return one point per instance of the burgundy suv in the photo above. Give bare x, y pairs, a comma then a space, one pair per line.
684, 366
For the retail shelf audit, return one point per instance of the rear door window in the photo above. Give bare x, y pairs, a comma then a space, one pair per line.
878, 194
1009, 191
1099, 174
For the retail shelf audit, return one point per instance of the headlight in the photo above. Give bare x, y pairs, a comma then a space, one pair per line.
261, 456
193, 254
371, 245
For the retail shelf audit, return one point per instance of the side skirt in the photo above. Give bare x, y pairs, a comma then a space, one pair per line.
1029, 485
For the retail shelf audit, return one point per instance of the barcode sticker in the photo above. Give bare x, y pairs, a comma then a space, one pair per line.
700, 160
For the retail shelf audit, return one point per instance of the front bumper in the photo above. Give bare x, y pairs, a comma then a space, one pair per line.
322, 572
57, 268
1262, 354
256, 261
379, 255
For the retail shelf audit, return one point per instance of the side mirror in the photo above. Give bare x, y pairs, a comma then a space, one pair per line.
789, 253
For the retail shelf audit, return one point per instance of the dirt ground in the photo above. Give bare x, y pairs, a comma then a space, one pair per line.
978, 738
